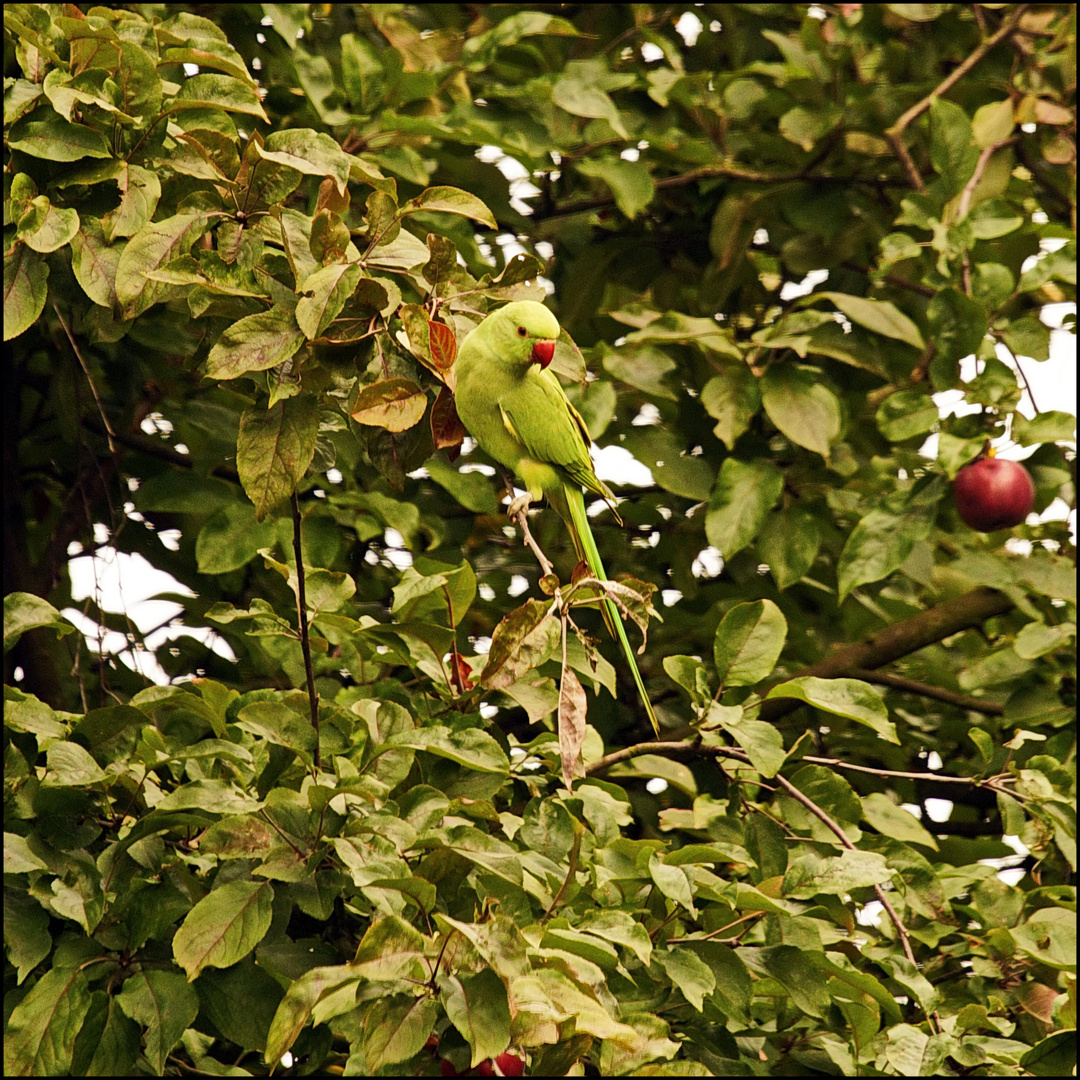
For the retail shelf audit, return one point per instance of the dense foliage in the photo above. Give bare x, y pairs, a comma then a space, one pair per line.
416, 821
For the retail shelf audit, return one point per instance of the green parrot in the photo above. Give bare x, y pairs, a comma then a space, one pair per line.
517, 411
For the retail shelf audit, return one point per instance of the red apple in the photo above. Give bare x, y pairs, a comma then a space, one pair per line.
506, 1064
993, 494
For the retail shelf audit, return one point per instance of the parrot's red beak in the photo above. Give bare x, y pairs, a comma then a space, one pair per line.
542, 353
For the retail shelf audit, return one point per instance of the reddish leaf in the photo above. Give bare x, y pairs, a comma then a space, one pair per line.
460, 672
447, 430
442, 344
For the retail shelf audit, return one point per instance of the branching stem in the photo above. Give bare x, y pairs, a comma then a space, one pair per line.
305, 636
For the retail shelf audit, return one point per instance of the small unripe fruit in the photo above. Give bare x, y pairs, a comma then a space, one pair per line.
993, 494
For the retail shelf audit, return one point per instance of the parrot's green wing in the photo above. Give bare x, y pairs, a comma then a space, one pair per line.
540, 417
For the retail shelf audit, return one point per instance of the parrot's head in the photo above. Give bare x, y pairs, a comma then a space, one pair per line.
528, 332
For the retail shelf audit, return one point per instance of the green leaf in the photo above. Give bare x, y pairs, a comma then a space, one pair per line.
53, 138
26, 277
1037, 639
223, 927
165, 1005
880, 543
44, 227
485, 851
673, 467
851, 698
993, 123
478, 1007
763, 743
325, 294
748, 643
25, 611
218, 92
630, 182
40, 1035
396, 1028
311, 152
642, 367
688, 973
231, 538
953, 152
672, 881
472, 748
789, 544
1046, 427
744, 494
731, 399
69, 765
906, 414
473, 490
1028, 336
894, 821
254, 343
801, 407
274, 449
957, 327
393, 404
1049, 937
880, 316
580, 96
150, 249
808, 875
450, 200
140, 190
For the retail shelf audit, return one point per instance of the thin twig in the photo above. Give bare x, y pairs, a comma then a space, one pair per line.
109, 433
305, 637
895, 134
842, 836
571, 871
898, 682
523, 524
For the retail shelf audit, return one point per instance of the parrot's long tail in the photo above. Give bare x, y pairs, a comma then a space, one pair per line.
586, 549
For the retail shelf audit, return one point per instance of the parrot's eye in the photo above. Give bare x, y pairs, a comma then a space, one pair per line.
522, 332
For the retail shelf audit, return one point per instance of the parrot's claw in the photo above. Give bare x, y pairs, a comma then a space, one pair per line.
519, 506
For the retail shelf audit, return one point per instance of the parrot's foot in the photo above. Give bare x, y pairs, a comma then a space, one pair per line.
519, 506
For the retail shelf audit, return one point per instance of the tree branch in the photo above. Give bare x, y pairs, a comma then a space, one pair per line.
898, 682
890, 643
895, 134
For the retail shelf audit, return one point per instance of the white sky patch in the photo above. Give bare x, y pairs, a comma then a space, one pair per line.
708, 564
648, 416
510, 244
689, 28
129, 584
518, 585
870, 914
791, 290
650, 53
617, 464
938, 809
486, 592
656, 785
